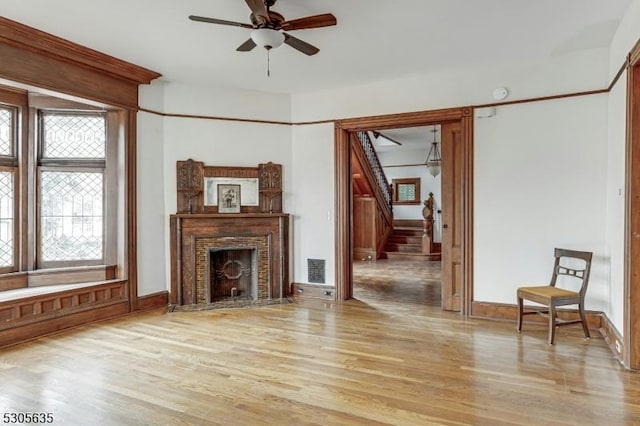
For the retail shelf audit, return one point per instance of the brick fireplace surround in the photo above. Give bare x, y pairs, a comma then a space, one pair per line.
193, 236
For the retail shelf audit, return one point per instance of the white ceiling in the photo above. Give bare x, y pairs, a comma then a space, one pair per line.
411, 138
374, 39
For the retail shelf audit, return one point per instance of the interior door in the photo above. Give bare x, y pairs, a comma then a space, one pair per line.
452, 225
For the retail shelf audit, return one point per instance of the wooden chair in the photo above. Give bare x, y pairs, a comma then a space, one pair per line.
553, 296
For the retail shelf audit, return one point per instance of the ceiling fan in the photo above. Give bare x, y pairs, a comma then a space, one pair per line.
269, 27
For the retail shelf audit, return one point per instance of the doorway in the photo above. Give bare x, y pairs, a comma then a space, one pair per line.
397, 220
457, 263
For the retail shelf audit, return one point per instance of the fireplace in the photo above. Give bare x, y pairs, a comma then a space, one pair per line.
221, 257
232, 274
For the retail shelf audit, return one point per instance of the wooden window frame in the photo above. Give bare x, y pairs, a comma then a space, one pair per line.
406, 181
10, 164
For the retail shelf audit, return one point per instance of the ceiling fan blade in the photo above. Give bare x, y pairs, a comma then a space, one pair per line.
300, 45
219, 21
378, 134
258, 8
316, 21
246, 46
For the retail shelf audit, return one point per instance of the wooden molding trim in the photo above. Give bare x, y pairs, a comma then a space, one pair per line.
23, 36
315, 291
28, 317
632, 57
31, 331
218, 118
631, 345
509, 312
152, 301
613, 338
131, 206
14, 281
344, 190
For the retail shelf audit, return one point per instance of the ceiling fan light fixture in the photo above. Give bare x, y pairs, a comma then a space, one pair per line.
267, 38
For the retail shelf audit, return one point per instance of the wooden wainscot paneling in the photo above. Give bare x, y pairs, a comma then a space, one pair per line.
364, 228
25, 318
314, 291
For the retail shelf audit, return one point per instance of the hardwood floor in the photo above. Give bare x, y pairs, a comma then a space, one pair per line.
365, 362
399, 280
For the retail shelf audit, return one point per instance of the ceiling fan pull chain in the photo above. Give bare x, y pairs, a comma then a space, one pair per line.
268, 62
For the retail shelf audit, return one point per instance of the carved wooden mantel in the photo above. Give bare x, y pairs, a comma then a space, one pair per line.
193, 235
198, 229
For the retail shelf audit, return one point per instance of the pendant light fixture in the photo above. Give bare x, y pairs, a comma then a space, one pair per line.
434, 160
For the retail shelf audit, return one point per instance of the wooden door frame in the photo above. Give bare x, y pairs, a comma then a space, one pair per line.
343, 189
631, 352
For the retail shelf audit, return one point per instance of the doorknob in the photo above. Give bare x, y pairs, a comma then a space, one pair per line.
445, 226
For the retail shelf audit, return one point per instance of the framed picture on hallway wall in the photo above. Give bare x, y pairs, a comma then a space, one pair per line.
228, 198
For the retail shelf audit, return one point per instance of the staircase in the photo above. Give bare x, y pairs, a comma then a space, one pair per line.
406, 243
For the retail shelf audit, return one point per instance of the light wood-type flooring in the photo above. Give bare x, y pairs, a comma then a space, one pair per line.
369, 361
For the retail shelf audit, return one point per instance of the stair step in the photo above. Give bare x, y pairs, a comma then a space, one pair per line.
405, 255
411, 232
404, 239
411, 248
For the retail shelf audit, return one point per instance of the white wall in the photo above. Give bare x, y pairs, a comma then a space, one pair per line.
152, 221
625, 38
313, 204
540, 182
585, 124
165, 140
614, 248
564, 127
428, 183
576, 72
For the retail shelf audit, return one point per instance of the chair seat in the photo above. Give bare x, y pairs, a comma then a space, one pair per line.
548, 291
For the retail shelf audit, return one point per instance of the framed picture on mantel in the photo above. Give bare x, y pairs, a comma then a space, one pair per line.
228, 198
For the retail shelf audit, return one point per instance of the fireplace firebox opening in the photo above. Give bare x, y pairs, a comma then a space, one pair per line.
232, 274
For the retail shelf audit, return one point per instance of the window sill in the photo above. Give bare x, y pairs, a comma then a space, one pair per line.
56, 276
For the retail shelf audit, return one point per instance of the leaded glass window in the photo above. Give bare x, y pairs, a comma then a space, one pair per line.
71, 216
71, 188
6, 131
73, 136
7, 224
406, 191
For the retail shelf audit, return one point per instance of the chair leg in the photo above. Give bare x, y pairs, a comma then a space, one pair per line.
552, 324
520, 308
583, 317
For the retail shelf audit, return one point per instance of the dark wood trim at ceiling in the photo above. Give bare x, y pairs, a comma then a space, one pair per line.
29, 56
631, 355
614, 81
217, 118
45, 44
